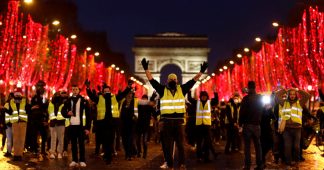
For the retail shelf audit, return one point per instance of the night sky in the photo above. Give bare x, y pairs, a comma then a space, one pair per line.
228, 24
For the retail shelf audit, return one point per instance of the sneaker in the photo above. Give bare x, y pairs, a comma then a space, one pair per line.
73, 164
52, 156
59, 156
83, 164
164, 166
65, 154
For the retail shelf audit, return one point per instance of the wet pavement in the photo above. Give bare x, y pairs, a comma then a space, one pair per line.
232, 161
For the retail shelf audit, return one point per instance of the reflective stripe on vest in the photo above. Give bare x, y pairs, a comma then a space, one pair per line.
52, 114
84, 118
170, 104
135, 106
15, 117
203, 113
294, 112
7, 115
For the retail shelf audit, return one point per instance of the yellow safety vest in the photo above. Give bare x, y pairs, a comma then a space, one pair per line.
22, 115
135, 106
232, 113
7, 115
294, 112
52, 114
203, 113
172, 104
101, 107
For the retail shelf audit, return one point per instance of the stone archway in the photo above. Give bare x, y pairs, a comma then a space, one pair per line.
186, 52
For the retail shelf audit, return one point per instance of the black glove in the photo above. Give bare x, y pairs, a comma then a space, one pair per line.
145, 64
153, 96
203, 67
87, 83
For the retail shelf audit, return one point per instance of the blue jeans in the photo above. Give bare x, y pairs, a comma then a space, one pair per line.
9, 139
252, 132
291, 138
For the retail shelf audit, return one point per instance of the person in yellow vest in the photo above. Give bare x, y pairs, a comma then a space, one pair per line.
231, 123
172, 107
57, 125
8, 125
203, 126
76, 109
107, 115
291, 114
19, 106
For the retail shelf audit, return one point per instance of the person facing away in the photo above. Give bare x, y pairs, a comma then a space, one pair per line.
250, 119
172, 107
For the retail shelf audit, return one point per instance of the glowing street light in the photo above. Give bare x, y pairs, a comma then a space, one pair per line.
231, 62
74, 36
28, 1
96, 54
117, 68
220, 69
239, 55
113, 65
258, 39
213, 74
88, 48
122, 71
246, 49
275, 24
56, 22
225, 67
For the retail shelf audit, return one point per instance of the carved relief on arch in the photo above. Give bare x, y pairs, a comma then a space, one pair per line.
163, 62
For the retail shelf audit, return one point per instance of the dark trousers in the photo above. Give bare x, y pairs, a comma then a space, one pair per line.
108, 141
77, 135
66, 138
34, 129
173, 131
278, 146
291, 138
127, 138
204, 143
230, 138
99, 135
252, 132
141, 139
266, 144
4, 136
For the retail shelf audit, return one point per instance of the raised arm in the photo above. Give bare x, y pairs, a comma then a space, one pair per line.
278, 96
304, 97
145, 67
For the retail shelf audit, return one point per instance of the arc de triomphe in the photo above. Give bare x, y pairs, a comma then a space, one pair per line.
186, 52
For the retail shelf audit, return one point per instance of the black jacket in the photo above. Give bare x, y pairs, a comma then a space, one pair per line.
84, 105
251, 109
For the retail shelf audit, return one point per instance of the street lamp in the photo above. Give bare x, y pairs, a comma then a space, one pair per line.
220, 69
56, 22
239, 55
96, 54
225, 67
74, 36
28, 1
88, 49
275, 24
246, 50
258, 39
231, 62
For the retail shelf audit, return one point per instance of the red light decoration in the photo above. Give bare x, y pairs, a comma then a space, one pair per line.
27, 55
295, 59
